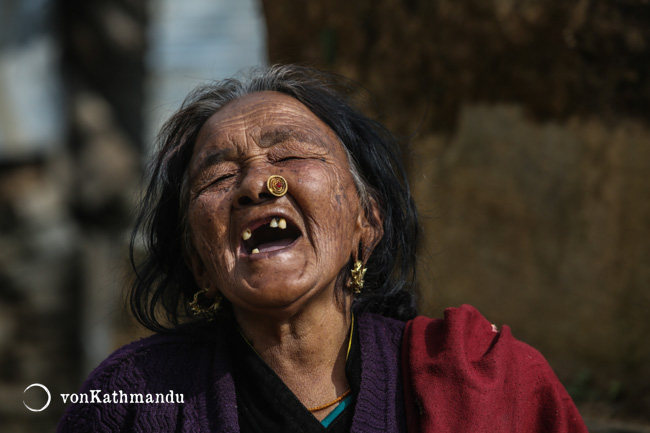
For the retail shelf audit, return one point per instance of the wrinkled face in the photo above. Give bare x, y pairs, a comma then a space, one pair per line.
261, 251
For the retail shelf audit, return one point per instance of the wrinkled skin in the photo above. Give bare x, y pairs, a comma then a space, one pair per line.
237, 149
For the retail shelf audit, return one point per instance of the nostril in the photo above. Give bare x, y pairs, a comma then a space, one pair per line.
245, 200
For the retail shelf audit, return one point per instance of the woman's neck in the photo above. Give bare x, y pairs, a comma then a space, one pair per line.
306, 350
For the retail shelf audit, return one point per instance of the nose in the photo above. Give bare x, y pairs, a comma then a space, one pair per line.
252, 188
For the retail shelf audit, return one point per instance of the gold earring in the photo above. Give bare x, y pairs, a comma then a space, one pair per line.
277, 185
358, 272
199, 309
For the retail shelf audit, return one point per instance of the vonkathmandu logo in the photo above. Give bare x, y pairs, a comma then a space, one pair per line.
115, 397
47, 391
97, 396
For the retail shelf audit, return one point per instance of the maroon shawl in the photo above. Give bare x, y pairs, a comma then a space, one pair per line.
460, 375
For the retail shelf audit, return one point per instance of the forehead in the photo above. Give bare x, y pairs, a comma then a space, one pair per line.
261, 116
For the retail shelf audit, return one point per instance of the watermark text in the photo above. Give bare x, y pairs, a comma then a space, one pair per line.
97, 396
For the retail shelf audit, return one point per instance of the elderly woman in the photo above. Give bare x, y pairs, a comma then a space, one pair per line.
279, 277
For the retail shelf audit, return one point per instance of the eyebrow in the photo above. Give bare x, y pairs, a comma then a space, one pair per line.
282, 134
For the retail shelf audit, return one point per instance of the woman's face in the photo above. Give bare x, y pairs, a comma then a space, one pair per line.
281, 269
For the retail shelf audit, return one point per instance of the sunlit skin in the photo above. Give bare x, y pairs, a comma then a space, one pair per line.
285, 298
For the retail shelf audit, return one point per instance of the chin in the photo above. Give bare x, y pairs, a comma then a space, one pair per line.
275, 295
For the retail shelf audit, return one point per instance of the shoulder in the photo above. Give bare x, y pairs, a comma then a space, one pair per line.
460, 368
154, 358
157, 353
465, 341
153, 366
381, 327
380, 322
463, 334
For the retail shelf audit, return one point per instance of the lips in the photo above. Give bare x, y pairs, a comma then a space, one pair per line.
270, 234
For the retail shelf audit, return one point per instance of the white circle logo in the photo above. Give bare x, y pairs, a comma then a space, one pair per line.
49, 397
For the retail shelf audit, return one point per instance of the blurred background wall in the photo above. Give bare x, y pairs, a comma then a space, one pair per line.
84, 86
527, 139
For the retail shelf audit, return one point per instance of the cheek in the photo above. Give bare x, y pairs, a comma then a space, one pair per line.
332, 208
330, 190
208, 226
208, 211
200, 217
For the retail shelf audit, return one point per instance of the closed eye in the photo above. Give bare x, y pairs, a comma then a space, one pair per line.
222, 178
215, 183
212, 185
288, 158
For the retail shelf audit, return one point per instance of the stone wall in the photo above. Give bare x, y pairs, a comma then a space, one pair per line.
529, 162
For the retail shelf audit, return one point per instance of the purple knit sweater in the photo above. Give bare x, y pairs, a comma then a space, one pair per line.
200, 371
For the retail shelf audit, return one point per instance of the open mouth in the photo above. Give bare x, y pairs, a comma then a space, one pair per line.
273, 235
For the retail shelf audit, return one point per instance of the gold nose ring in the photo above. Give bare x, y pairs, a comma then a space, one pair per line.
277, 185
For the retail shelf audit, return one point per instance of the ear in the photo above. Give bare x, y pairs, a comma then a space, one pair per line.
371, 224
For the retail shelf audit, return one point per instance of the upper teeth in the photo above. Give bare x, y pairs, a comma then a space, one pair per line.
281, 223
275, 223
